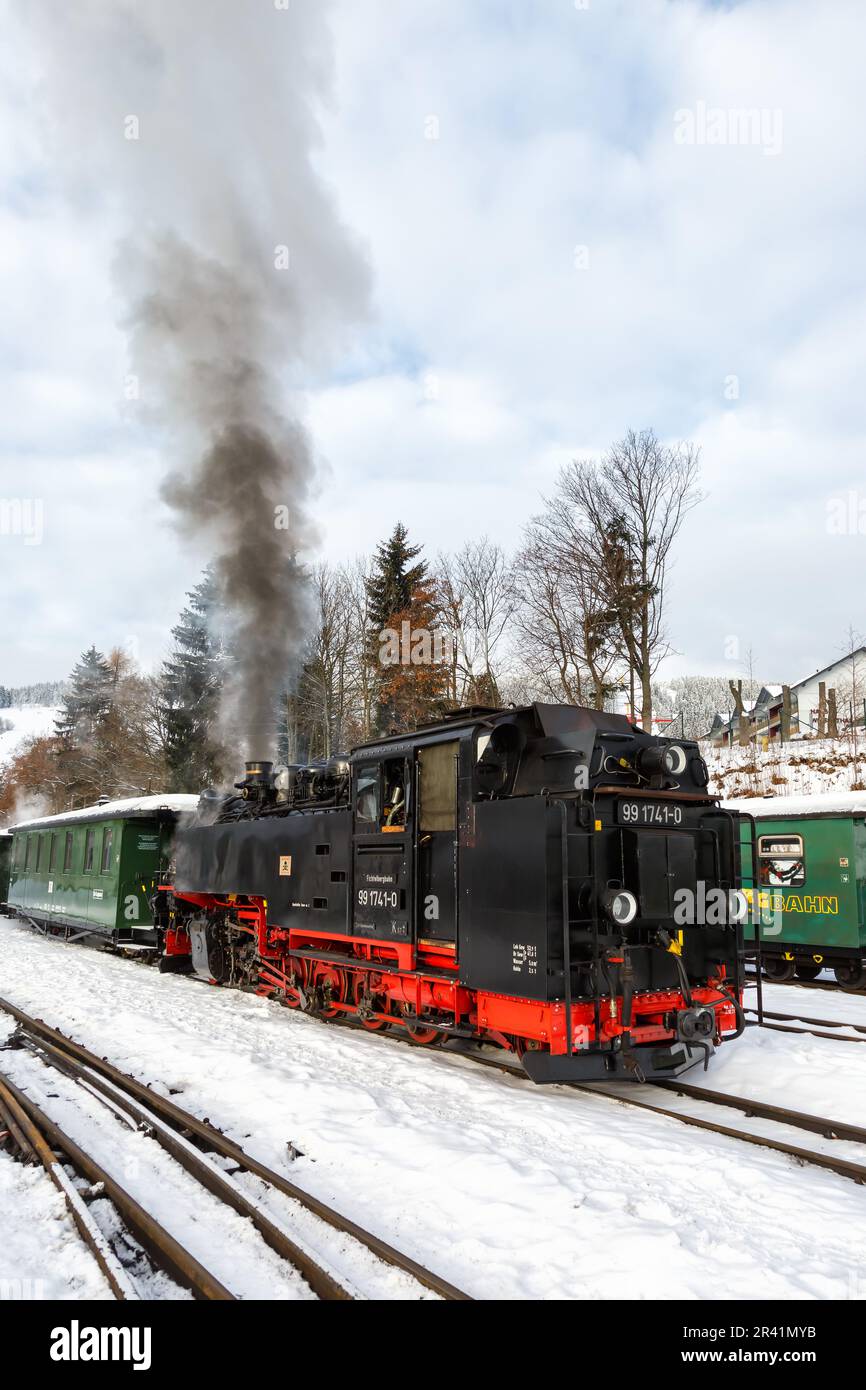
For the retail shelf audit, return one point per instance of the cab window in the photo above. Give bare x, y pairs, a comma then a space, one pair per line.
396, 800
437, 787
782, 861
367, 799
496, 757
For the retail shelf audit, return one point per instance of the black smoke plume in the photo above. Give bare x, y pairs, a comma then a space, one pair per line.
193, 125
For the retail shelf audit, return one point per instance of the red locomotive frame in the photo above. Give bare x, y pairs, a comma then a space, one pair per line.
416, 989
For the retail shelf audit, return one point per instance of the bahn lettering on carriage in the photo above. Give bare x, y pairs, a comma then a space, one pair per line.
824, 904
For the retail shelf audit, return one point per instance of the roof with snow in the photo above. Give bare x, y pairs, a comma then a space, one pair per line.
842, 803
137, 808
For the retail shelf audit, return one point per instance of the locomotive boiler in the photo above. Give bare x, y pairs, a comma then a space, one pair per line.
531, 878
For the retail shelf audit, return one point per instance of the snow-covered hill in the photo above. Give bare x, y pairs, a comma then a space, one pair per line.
800, 768
28, 721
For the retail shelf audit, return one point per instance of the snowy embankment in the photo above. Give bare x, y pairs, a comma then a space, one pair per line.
29, 721
800, 768
507, 1190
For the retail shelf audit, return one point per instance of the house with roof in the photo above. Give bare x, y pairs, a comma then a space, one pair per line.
846, 677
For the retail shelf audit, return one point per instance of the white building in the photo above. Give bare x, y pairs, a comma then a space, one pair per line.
847, 677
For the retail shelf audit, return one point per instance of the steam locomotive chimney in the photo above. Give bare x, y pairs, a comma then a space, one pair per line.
257, 781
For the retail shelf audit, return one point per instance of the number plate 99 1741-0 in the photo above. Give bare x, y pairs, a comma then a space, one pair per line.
648, 813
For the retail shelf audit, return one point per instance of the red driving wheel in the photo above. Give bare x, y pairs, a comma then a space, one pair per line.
380, 1002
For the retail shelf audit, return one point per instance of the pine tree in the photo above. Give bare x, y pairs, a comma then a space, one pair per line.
190, 686
401, 601
87, 700
395, 580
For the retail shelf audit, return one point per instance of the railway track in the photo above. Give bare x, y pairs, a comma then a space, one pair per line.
817, 1027
833, 1131
643, 1096
204, 1153
789, 1023
805, 984
778, 1130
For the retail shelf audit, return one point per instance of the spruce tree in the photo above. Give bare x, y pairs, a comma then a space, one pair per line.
399, 596
395, 580
88, 699
190, 686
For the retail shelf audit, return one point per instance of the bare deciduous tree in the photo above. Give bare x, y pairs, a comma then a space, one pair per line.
629, 509
476, 595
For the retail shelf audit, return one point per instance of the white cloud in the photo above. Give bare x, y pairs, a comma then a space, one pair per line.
494, 357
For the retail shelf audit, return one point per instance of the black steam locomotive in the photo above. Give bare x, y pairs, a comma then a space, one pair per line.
521, 877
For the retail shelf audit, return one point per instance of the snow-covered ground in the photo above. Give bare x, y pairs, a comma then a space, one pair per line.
41, 1254
507, 1190
29, 721
800, 768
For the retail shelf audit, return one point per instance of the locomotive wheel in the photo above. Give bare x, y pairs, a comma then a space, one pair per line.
298, 970
850, 974
808, 972
332, 982
381, 1004
524, 1045
425, 1037
775, 968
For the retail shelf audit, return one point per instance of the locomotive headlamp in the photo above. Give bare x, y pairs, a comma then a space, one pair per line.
670, 759
620, 905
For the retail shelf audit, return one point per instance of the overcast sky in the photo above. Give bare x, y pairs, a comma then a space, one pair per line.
570, 232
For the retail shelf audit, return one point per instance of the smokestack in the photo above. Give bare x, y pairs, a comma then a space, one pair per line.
195, 124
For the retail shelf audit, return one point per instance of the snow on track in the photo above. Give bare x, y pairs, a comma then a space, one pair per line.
42, 1256
225, 1243
509, 1191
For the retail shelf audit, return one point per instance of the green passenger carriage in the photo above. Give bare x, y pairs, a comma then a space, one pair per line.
92, 872
810, 871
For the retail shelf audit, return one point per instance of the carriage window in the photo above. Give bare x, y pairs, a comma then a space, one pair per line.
367, 795
437, 787
782, 861
88, 851
52, 856
27, 840
67, 853
39, 839
107, 837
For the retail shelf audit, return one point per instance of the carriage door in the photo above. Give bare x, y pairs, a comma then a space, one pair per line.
437, 842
